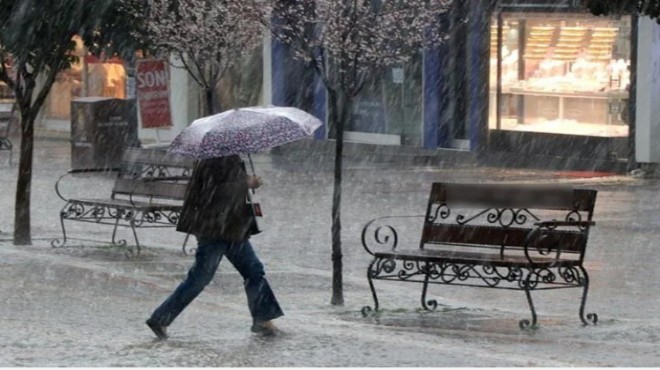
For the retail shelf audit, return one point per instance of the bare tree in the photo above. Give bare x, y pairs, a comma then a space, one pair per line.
345, 40
207, 36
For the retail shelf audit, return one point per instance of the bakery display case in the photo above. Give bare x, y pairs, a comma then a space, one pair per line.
561, 74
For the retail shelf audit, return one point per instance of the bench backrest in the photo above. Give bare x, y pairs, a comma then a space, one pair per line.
500, 216
140, 166
145, 163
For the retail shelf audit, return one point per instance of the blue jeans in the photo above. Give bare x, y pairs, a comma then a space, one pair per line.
261, 300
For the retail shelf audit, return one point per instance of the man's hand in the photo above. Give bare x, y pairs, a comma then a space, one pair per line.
254, 182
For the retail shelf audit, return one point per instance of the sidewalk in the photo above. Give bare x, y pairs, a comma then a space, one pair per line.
86, 305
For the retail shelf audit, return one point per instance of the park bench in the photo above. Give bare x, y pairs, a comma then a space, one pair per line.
516, 237
148, 192
6, 115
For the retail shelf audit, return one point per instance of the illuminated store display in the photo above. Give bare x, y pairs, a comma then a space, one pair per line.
560, 74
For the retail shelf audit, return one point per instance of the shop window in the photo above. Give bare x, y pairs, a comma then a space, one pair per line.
89, 76
105, 78
241, 85
390, 103
560, 73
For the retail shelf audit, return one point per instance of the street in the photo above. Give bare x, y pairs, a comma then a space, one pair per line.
85, 304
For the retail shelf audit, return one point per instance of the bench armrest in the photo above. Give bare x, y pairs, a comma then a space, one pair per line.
383, 233
76, 171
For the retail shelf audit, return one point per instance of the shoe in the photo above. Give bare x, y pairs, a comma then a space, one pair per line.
158, 329
266, 328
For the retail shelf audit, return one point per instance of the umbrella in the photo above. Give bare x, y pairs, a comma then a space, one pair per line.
243, 131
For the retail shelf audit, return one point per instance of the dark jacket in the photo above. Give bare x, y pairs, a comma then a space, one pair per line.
215, 205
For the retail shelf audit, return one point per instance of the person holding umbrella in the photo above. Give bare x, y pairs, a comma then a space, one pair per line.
216, 210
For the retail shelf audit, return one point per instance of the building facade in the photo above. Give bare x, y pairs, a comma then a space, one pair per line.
527, 77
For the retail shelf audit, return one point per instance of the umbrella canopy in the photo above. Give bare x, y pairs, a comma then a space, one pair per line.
244, 130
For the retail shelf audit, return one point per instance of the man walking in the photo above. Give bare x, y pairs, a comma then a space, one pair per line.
215, 210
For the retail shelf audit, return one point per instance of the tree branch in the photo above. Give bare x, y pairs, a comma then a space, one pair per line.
45, 90
304, 47
189, 69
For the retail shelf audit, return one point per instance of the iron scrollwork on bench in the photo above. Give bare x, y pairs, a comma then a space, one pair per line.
377, 234
489, 247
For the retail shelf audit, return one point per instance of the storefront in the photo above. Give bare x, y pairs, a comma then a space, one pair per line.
428, 102
527, 77
90, 76
387, 111
560, 81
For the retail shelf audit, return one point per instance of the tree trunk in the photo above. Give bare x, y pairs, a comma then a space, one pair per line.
212, 106
338, 112
208, 100
130, 66
22, 234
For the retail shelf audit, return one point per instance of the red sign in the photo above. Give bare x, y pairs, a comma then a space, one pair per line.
153, 93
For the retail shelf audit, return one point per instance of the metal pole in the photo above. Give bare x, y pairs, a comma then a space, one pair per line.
251, 164
252, 167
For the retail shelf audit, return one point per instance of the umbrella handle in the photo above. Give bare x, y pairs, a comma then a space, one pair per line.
251, 164
252, 167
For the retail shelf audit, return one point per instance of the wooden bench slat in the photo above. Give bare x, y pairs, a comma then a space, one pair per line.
490, 235
154, 189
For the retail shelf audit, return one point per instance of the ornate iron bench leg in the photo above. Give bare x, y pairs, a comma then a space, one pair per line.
56, 243
432, 304
114, 230
590, 318
370, 274
129, 250
524, 323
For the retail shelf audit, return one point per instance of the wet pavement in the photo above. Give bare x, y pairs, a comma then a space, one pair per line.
85, 305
